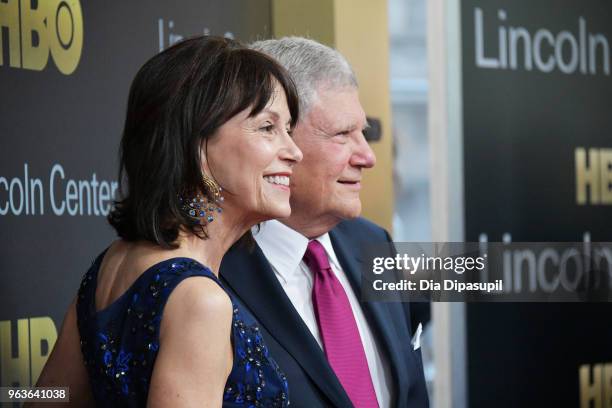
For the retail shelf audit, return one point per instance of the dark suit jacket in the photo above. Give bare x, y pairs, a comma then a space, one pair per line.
312, 383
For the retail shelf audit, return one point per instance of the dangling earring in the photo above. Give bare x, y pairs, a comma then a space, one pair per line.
204, 207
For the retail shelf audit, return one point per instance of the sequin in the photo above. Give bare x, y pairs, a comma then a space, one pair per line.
121, 342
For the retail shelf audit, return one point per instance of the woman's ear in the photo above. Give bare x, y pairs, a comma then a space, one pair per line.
204, 158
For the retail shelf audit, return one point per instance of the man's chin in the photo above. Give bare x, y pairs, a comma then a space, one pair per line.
350, 212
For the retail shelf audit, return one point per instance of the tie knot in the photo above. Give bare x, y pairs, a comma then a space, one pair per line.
315, 256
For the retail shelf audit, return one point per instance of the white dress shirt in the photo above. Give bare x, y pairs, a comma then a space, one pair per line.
284, 248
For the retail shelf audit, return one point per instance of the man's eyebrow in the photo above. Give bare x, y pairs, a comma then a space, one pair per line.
352, 127
344, 129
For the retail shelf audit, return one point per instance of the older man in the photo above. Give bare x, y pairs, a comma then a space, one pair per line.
302, 280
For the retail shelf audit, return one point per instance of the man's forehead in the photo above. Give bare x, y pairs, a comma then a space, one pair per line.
335, 109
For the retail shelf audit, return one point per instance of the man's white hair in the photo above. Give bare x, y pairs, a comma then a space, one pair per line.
310, 64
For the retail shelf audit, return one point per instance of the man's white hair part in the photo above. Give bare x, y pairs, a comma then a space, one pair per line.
311, 65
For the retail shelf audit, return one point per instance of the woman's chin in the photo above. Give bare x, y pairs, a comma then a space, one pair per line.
278, 212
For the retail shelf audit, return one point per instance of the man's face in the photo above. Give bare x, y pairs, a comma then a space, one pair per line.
325, 186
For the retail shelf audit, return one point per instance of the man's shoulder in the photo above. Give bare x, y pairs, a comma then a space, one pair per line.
363, 229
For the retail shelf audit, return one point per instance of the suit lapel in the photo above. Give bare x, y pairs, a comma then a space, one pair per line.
252, 279
377, 313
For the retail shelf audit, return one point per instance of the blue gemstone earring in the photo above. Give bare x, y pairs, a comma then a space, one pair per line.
203, 207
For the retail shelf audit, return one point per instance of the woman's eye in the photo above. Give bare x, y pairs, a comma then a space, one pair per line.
267, 128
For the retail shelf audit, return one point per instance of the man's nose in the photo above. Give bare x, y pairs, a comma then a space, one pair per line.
363, 156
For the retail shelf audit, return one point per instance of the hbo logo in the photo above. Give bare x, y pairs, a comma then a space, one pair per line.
54, 25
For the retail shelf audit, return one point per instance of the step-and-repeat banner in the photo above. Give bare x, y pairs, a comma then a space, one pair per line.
537, 112
65, 71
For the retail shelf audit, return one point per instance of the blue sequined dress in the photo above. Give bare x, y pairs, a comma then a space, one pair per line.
120, 343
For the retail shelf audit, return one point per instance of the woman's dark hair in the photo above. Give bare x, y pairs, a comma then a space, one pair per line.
177, 100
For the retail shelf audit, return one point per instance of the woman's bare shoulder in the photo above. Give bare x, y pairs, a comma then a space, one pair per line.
198, 300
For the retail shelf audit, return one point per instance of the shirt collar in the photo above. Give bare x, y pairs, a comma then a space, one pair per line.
325, 240
285, 247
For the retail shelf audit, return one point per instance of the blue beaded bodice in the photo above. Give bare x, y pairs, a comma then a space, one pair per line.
120, 343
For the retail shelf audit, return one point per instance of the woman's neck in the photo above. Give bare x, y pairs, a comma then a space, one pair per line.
226, 229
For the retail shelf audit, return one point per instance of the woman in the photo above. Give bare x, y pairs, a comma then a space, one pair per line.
206, 154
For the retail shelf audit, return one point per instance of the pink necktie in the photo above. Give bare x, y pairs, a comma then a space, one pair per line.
338, 328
